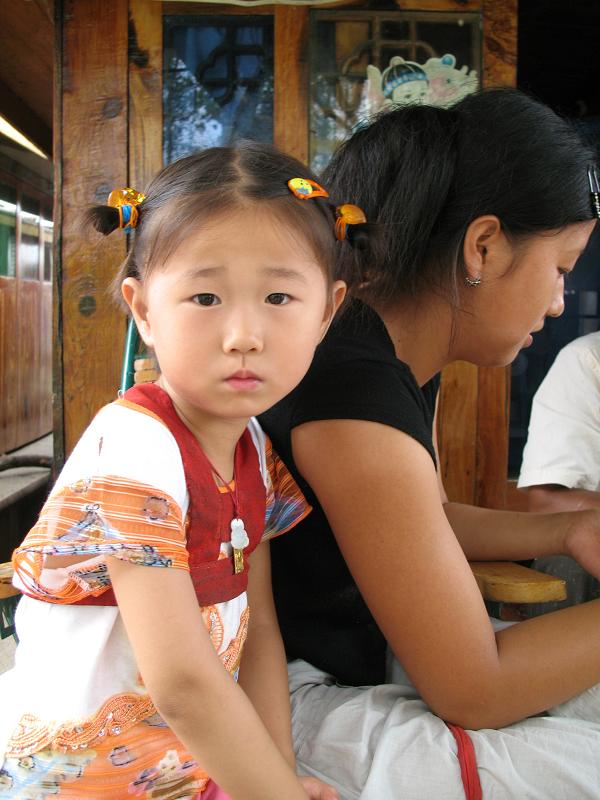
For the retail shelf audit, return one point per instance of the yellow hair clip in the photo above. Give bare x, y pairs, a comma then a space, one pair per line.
305, 189
347, 214
126, 202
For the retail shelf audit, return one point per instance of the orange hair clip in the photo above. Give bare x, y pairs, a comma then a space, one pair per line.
305, 189
347, 214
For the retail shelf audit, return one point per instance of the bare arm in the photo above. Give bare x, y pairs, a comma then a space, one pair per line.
197, 697
385, 510
487, 534
263, 673
553, 497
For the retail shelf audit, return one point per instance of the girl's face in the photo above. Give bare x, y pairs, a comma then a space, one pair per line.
234, 315
520, 286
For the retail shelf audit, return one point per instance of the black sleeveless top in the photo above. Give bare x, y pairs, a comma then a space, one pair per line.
355, 375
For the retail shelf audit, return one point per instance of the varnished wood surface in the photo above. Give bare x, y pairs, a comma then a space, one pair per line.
145, 91
93, 131
457, 431
500, 42
505, 582
290, 125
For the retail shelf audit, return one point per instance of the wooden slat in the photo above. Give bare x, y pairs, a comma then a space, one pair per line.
6, 587
145, 91
93, 132
457, 431
9, 365
505, 582
493, 403
290, 101
500, 42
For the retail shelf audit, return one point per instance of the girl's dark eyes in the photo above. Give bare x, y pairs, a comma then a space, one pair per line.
278, 298
206, 299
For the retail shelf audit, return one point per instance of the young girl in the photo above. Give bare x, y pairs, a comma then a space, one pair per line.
476, 213
149, 565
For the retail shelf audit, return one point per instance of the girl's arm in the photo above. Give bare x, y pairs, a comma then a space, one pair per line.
191, 689
378, 488
263, 671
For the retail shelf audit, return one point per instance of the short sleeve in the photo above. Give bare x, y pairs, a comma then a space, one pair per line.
95, 511
286, 505
564, 429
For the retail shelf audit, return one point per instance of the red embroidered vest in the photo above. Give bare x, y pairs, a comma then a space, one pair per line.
209, 512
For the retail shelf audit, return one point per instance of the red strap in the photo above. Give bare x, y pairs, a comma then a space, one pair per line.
468, 763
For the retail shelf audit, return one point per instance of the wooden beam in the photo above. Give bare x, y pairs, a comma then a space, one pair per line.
93, 141
290, 102
26, 121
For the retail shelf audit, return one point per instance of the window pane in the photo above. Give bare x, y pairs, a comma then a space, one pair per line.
218, 82
29, 247
8, 214
362, 62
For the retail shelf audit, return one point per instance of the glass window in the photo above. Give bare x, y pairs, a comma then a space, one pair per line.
8, 216
362, 62
218, 81
29, 246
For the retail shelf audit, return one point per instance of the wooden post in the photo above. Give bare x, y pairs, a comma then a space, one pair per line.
92, 148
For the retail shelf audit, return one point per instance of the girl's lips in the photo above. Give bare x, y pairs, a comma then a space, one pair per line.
243, 381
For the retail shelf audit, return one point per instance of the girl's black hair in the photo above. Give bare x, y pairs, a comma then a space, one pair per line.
192, 190
423, 174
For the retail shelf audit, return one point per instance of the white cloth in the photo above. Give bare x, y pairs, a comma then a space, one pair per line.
382, 743
122, 492
563, 443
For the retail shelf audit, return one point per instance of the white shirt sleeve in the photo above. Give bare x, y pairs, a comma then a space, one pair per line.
563, 444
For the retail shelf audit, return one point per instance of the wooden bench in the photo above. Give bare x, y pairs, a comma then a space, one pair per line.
9, 597
507, 582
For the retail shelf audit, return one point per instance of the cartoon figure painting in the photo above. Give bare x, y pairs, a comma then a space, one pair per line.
437, 82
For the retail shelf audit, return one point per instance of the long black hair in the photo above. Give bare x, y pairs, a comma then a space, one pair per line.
422, 174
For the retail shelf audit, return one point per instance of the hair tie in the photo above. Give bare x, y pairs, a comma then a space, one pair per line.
347, 214
126, 202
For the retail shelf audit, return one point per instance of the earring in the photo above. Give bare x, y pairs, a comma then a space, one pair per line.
472, 281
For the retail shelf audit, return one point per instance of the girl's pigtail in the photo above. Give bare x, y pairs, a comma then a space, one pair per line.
104, 219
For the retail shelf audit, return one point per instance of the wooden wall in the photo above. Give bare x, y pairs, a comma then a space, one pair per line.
25, 340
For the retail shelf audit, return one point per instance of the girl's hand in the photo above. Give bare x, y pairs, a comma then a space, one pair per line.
582, 539
318, 790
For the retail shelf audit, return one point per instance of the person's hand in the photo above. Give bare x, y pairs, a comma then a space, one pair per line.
582, 539
318, 790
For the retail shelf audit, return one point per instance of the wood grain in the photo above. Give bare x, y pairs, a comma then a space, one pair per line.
145, 91
290, 124
93, 134
500, 42
505, 582
457, 431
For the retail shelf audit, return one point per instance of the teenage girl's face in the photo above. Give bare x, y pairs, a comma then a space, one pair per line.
235, 315
520, 286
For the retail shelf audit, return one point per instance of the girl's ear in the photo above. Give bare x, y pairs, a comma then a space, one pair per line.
134, 295
482, 239
337, 292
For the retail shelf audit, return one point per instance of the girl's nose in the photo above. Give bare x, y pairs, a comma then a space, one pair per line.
243, 334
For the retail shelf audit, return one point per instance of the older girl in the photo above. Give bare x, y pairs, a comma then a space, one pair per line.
476, 214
